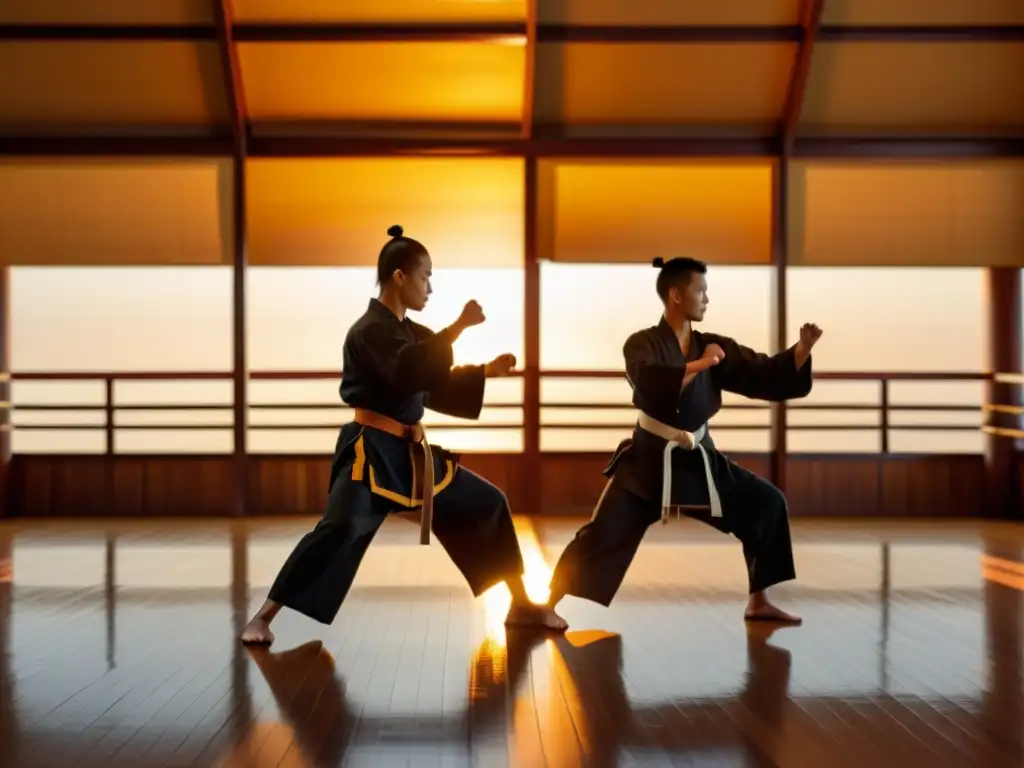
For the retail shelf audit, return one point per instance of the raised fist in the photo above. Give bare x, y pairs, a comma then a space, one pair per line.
809, 335
502, 365
472, 314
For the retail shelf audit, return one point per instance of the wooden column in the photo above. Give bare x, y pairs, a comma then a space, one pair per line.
779, 423
240, 368
810, 22
532, 491
5, 391
533, 494
1004, 334
232, 74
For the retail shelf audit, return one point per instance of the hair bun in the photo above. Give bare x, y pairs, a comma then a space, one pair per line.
395, 230
658, 262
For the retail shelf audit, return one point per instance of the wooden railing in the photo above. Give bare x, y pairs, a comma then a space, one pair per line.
884, 407
994, 410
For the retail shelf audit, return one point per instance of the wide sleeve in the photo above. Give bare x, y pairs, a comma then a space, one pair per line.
657, 383
407, 366
461, 395
760, 376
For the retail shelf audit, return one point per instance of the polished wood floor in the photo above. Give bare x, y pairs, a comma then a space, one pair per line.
119, 650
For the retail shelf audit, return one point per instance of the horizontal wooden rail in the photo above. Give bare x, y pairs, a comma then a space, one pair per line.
110, 408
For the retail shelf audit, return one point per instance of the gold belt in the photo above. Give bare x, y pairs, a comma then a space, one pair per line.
414, 433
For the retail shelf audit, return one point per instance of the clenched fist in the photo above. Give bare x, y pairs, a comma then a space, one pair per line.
472, 314
809, 335
714, 353
502, 365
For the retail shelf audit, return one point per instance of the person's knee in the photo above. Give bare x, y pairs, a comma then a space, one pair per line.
494, 498
774, 503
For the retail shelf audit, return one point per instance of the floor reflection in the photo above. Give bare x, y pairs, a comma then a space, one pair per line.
118, 649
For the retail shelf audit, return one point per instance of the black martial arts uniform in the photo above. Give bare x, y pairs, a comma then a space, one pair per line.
398, 368
752, 509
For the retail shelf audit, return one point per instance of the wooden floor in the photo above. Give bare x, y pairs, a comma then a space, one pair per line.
119, 650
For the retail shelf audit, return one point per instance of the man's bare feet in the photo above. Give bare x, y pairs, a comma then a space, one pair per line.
530, 615
765, 611
257, 632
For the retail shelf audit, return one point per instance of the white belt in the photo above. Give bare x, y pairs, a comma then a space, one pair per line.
680, 438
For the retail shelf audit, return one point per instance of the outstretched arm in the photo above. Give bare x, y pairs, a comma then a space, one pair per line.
784, 376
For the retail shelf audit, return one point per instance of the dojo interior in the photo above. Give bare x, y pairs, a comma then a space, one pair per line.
193, 194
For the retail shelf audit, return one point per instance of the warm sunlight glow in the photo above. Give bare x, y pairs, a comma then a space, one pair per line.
391, 12
619, 211
102, 212
496, 602
467, 211
415, 80
537, 573
884, 214
536, 580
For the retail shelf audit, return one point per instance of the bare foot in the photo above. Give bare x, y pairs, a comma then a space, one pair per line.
768, 612
257, 632
530, 615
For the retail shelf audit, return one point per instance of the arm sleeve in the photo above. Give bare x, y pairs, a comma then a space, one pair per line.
655, 382
760, 376
461, 395
408, 366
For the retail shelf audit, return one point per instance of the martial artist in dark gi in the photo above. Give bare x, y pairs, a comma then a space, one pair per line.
393, 369
678, 376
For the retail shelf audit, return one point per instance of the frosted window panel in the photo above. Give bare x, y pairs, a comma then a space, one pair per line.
298, 317
858, 440
121, 318
216, 435
891, 319
192, 441
589, 310
175, 392
58, 441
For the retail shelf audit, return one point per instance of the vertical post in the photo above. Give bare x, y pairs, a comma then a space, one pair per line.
810, 21
108, 415
532, 468
1004, 356
780, 239
534, 496
885, 416
5, 390
232, 73
109, 465
240, 370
